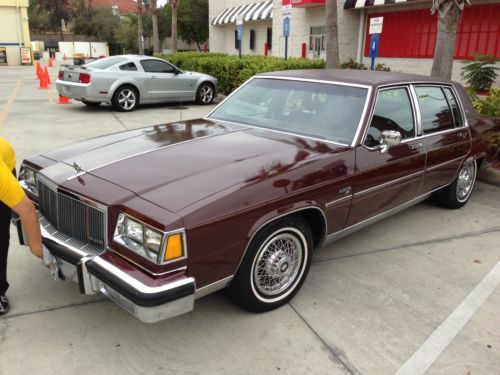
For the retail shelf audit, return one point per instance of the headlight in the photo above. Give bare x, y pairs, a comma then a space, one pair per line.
28, 179
150, 243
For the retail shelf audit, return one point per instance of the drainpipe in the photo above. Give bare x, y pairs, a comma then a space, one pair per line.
361, 35
17, 23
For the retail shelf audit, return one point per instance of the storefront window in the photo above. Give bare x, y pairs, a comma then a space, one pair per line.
317, 40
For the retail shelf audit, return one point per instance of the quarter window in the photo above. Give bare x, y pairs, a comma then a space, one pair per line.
128, 66
393, 111
436, 113
457, 117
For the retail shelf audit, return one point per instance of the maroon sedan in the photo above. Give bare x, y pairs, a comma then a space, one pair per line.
155, 218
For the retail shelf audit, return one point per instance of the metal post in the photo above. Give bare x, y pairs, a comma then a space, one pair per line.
286, 48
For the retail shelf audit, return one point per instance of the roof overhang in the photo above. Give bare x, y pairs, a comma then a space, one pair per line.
250, 12
357, 4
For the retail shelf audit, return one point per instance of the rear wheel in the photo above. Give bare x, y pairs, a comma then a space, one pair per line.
91, 104
275, 265
459, 191
125, 99
205, 94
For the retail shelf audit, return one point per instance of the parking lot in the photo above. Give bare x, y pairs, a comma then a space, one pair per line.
417, 291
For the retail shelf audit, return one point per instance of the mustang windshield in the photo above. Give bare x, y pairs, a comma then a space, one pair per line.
320, 110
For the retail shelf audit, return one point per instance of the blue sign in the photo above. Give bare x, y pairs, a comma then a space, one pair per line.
239, 32
374, 43
286, 27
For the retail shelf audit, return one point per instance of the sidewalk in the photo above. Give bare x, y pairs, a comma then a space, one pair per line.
490, 175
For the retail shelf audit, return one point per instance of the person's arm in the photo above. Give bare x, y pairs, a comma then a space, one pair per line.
27, 212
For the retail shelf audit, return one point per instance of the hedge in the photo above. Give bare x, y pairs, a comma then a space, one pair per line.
231, 71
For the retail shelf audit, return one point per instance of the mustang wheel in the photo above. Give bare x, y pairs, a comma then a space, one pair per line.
205, 94
458, 192
125, 99
91, 104
275, 265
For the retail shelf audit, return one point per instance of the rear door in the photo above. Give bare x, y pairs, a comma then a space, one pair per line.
163, 82
444, 134
384, 180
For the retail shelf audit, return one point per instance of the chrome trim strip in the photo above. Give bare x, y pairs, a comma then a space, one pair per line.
212, 288
313, 81
183, 268
73, 249
416, 108
338, 201
136, 284
446, 162
385, 184
362, 224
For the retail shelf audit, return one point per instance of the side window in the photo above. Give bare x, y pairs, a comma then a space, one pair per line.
457, 116
155, 66
393, 111
434, 108
128, 66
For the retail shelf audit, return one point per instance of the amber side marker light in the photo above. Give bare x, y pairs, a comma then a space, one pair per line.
174, 247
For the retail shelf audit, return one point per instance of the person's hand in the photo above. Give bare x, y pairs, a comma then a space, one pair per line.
37, 251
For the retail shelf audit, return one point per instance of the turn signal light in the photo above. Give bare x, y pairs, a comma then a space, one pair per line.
84, 78
174, 247
61, 75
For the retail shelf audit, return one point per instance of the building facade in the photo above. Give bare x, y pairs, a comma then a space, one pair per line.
407, 40
14, 30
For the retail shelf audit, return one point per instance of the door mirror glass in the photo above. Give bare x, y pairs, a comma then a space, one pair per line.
389, 138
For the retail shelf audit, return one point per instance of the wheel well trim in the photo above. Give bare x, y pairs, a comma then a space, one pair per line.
256, 229
127, 84
205, 80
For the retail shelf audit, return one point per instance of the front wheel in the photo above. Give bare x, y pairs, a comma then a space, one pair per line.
459, 191
275, 265
205, 94
125, 99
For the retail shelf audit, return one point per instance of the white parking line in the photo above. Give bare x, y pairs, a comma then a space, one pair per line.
432, 348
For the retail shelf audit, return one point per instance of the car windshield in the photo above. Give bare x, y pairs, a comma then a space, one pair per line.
320, 110
106, 62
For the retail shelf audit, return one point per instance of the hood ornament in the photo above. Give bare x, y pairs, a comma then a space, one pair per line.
79, 171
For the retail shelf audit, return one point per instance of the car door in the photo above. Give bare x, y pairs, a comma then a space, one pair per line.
387, 178
163, 81
445, 135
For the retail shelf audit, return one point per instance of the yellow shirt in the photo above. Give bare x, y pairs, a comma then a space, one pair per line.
11, 192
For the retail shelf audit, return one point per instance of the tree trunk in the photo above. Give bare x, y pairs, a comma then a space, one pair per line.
448, 19
332, 35
175, 7
154, 21
140, 30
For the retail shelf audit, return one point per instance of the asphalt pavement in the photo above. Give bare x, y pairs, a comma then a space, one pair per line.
418, 292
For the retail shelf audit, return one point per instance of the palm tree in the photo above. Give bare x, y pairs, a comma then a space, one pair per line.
154, 20
140, 30
332, 35
175, 8
449, 14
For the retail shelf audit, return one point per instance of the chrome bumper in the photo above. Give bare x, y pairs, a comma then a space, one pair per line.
96, 275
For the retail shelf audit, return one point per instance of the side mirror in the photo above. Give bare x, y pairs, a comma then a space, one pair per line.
389, 138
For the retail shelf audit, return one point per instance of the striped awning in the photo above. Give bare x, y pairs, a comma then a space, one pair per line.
351, 4
250, 12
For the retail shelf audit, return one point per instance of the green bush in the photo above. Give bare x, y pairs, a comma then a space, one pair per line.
487, 105
351, 64
480, 73
231, 71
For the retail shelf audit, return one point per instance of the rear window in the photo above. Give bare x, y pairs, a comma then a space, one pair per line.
106, 62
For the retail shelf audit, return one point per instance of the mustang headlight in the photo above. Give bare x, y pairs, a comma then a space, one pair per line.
150, 243
28, 179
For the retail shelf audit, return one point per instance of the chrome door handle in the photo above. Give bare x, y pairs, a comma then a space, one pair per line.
461, 135
416, 146
153, 77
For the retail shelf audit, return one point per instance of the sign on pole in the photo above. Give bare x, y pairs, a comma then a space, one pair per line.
286, 11
376, 25
239, 31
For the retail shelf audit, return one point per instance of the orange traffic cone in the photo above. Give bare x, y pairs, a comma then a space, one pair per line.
38, 69
46, 75
43, 82
50, 62
63, 100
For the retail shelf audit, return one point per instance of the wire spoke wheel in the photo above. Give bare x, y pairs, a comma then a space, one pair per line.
465, 180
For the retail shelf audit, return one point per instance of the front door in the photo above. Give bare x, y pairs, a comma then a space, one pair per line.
444, 133
163, 81
384, 180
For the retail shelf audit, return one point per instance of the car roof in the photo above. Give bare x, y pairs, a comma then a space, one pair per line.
359, 77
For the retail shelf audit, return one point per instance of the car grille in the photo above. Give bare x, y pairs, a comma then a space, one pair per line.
71, 220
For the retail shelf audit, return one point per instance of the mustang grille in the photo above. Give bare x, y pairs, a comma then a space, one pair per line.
71, 220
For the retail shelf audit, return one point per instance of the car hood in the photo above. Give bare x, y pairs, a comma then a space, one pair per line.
176, 165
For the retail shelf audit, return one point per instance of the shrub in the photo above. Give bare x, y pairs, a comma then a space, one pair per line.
487, 105
480, 73
351, 64
231, 71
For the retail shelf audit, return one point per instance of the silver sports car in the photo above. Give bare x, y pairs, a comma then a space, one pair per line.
127, 80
